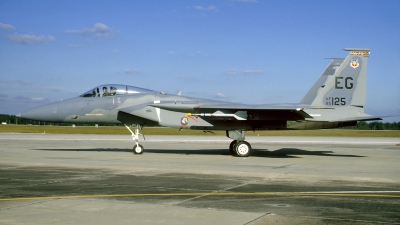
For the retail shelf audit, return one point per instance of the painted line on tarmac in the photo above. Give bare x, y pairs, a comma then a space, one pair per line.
360, 194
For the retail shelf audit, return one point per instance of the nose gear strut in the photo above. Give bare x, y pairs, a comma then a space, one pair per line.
137, 148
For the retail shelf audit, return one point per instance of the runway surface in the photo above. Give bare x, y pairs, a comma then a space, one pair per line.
96, 179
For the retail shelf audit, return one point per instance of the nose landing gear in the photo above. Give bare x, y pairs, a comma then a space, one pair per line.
137, 148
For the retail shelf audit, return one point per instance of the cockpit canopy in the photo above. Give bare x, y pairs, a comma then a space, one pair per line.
113, 89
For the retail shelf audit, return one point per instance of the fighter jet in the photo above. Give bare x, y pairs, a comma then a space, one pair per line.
337, 99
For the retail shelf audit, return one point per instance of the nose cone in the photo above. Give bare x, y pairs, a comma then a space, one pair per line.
42, 113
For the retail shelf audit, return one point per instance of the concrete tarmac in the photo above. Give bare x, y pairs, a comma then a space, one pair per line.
96, 179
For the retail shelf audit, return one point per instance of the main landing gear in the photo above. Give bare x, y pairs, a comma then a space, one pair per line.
238, 147
137, 148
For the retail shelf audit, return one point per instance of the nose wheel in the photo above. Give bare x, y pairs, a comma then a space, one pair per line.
137, 148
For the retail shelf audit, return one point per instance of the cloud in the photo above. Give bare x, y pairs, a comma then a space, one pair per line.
22, 98
199, 54
247, 72
232, 71
209, 8
171, 52
3, 96
220, 95
251, 72
6, 26
187, 78
30, 99
99, 30
4, 84
23, 83
129, 71
246, 1
37, 99
55, 89
30, 38
74, 45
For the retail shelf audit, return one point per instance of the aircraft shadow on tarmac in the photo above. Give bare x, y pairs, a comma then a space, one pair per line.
280, 153
295, 153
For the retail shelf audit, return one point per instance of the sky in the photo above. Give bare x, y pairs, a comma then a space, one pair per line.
247, 51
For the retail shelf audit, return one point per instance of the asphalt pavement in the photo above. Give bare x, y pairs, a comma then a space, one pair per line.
96, 179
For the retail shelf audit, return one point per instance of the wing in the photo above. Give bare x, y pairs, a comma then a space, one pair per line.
236, 111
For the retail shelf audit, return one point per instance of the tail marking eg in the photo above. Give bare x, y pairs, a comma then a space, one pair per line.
347, 86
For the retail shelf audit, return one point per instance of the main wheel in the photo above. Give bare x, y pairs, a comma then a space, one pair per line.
232, 147
138, 149
242, 149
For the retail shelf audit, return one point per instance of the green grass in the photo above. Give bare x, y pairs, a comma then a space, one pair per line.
174, 131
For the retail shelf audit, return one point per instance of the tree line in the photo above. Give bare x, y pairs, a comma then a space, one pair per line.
362, 125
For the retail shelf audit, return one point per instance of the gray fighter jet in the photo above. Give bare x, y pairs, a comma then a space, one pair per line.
337, 99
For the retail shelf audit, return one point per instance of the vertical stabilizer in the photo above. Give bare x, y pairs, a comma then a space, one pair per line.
320, 83
347, 86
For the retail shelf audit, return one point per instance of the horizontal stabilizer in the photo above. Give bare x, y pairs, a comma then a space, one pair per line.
366, 118
361, 118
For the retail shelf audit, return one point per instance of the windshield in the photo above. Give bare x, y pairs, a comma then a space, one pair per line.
113, 89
